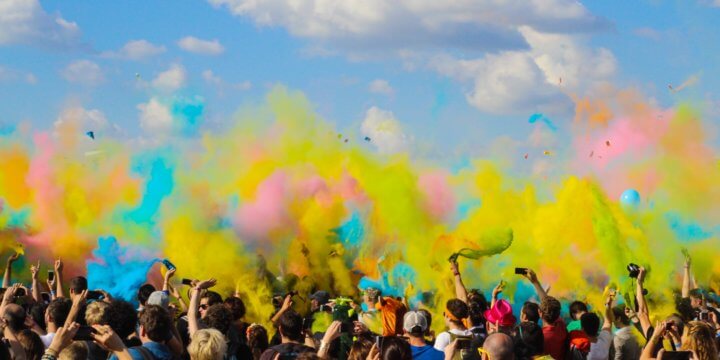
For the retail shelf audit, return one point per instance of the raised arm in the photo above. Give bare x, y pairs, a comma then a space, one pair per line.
647, 353
496, 292
460, 290
59, 293
686, 276
530, 275
176, 294
643, 313
166, 283
8, 270
608, 315
77, 304
287, 305
193, 321
34, 270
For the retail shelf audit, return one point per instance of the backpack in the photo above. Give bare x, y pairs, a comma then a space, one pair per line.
467, 349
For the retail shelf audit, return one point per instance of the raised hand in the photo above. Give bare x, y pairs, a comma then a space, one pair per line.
454, 267
14, 257
169, 274
641, 275
531, 275
58, 266
35, 270
64, 337
498, 289
107, 338
206, 284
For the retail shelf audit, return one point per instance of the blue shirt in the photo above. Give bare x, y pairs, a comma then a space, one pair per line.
158, 350
426, 352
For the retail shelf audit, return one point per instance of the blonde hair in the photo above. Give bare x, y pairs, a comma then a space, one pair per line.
76, 350
700, 338
207, 344
97, 313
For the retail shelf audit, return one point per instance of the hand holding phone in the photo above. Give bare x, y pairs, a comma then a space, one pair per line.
520, 271
84, 333
187, 282
51, 275
168, 264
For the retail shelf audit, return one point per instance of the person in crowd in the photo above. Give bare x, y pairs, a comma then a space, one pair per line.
143, 294
455, 311
55, 317
415, 326
626, 343
500, 318
554, 330
577, 309
290, 327
429, 333
360, 349
31, 343
207, 344
528, 340
498, 346
257, 340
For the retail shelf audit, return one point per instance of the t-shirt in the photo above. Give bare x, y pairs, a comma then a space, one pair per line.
574, 325
391, 310
444, 339
157, 350
426, 352
627, 344
600, 349
556, 337
47, 339
285, 349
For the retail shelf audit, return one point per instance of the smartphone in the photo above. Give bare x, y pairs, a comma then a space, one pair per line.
168, 264
45, 297
378, 343
94, 295
520, 271
187, 282
704, 316
20, 292
51, 275
463, 343
84, 333
346, 327
677, 355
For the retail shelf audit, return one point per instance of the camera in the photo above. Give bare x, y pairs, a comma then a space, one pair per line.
634, 270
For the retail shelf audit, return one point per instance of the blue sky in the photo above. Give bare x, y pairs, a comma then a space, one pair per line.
440, 73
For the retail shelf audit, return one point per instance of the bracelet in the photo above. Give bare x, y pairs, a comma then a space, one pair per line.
323, 345
51, 351
456, 274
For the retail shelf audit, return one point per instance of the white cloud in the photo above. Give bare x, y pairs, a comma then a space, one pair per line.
155, 116
12, 75
83, 72
80, 119
380, 86
171, 79
136, 50
200, 46
26, 22
211, 78
384, 131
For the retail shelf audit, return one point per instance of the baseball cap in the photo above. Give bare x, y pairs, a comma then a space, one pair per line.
159, 298
322, 297
414, 320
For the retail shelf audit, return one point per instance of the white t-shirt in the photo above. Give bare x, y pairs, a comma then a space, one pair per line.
444, 339
600, 349
47, 339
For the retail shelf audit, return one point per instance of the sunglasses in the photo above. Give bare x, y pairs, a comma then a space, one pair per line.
203, 306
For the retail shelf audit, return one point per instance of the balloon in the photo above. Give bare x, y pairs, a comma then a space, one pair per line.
630, 198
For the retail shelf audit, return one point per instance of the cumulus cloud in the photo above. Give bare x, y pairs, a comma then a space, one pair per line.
384, 131
175, 115
83, 72
221, 85
171, 79
26, 22
155, 116
200, 46
380, 86
136, 50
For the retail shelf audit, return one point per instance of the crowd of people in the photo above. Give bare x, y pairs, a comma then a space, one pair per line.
46, 322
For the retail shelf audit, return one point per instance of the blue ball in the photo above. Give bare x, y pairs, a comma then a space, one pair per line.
630, 198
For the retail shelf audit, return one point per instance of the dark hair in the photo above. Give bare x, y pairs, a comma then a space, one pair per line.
236, 306
619, 312
219, 317
156, 323
531, 311
476, 308
58, 310
590, 323
32, 344
123, 318
550, 308
529, 340
144, 293
476, 297
291, 325
15, 317
360, 349
395, 348
257, 340
78, 284
213, 298
576, 307
457, 308
696, 293
37, 313
428, 318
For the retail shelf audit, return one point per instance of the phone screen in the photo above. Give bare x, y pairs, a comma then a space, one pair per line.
520, 271
51, 275
84, 333
186, 282
168, 264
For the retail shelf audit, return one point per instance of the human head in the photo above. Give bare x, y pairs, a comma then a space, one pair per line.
529, 340
123, 318
78, 284
257, 339
97, 313
76, 350
699, 337
696, 298
498, 346
207, 344
37, 313
219, 317
319, 298
14, 318
414, 324
577, 309
395, 348
208, 299
360, 349
677, 322
58, 311
371, 295
621, 318
290, 326
428, 318
159, 298
530, 312
31, 343
236, 306
144, 293
155, 324
590, 323
549, 310
455, 311
500, 317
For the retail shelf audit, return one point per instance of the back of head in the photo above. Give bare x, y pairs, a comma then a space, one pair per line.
590, 323
207, 344
457, 308
32, 344
620, 316
236, 306
15, 317
529, 340
156, 323
699, 337
78, 284
144, 293
531, 311
37, 313
577, 307
499, 346
97, 313
123, 318
58, 310
213, 298
257, 339
550, 309
428, 317
360, 349
678, 321
76, 350
415, 324
476, 298
395, 348
219, 317
290, 325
